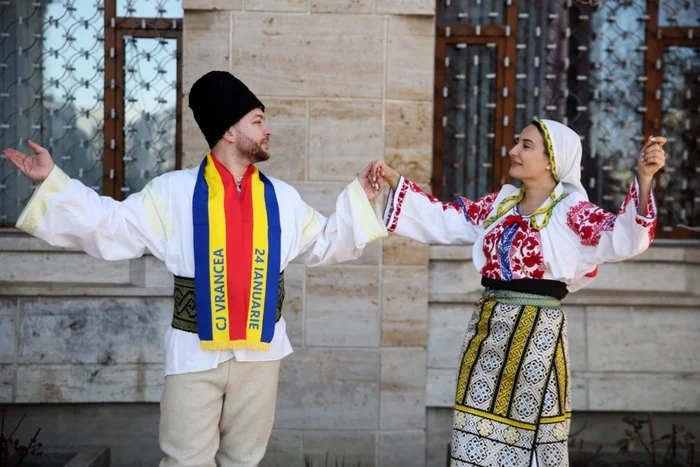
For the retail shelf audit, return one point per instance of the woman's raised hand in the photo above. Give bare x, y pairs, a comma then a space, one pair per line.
36, 167
652, 158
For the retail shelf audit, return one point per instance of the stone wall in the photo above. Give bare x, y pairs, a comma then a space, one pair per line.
76, 329
344, 82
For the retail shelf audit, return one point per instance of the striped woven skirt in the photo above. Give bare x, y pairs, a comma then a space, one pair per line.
513, 400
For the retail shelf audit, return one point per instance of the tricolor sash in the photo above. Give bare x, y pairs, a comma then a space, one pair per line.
237, 258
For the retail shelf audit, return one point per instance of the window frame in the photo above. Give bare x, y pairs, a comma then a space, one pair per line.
116, 30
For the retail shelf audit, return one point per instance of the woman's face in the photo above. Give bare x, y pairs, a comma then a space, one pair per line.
528, 160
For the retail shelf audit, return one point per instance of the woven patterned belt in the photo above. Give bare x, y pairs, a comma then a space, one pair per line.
185, 310
520, 298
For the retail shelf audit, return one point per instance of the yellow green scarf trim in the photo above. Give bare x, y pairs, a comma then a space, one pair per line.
508, 203
548, 145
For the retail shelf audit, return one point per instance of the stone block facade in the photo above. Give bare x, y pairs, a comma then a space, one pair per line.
376, 340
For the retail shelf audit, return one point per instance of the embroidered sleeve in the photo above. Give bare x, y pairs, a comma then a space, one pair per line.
344, 234
589, 222
44, 194
66, 213
613, 238
649, 220
477, 211
413, 213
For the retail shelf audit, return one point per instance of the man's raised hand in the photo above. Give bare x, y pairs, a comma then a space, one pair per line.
36, 167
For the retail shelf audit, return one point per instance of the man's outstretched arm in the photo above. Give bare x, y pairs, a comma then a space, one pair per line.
64, 212
343, 236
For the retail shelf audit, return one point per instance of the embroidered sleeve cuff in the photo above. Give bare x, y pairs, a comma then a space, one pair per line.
393, 204
41, 200
651, 211
367, 214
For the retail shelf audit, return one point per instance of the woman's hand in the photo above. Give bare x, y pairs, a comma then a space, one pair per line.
381, 171
372, 188
38, 167
651, 159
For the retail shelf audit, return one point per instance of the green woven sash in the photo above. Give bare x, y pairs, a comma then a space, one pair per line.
185, 312
521, 298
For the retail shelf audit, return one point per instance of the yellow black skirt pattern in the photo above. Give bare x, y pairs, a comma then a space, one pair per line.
513, 398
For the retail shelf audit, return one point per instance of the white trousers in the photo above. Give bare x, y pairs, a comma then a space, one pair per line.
218, 418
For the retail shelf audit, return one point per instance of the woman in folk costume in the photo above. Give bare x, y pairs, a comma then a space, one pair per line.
532, 246
226, 232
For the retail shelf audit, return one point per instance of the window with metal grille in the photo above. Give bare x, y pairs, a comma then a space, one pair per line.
616, 71
96, 82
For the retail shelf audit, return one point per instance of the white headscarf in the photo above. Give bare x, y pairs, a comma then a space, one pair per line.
563, 146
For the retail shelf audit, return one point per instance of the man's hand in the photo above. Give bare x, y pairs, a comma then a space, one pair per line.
373, 188
37, 167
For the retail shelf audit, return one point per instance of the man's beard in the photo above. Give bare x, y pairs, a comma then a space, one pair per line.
250, 150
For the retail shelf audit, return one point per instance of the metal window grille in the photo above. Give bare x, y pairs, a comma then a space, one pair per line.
97, 82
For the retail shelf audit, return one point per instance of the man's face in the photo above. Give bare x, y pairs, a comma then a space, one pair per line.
252, 136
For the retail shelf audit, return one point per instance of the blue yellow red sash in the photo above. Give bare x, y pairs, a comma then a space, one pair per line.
237, 258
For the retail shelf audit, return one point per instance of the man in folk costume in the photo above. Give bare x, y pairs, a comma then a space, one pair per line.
226, 232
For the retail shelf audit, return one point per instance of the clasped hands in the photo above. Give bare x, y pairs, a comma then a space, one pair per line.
374, 176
